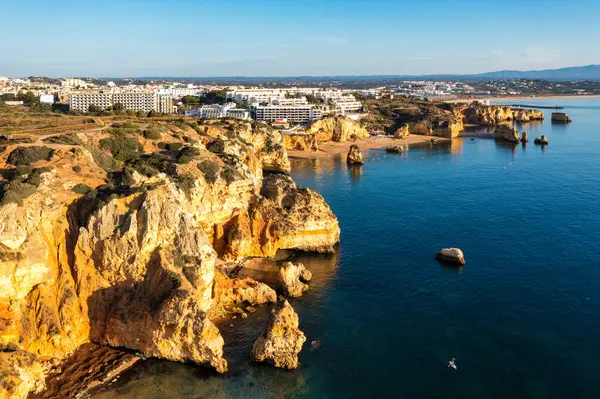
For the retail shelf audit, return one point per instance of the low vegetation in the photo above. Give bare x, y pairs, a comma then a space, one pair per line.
66, 139
24, 183
29, 155
210, 169
122, 148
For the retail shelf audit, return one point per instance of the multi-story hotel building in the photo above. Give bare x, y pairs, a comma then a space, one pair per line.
136, 101
164, 103
298, 114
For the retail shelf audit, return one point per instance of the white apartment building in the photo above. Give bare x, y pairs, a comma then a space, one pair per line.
138, 101
297, 114
290, 101
348, 106
178, 92
238, 114
164, 104
217, 111
82, 101
72, 82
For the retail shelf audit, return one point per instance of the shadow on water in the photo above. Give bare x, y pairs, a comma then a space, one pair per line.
355, 173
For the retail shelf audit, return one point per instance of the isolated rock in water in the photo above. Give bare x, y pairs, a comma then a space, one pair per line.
292, 278
452, 255
541, 140
355, 155
507, 133
524, 138
280, 344
398, 149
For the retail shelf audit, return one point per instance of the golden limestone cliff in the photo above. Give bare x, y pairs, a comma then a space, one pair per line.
491, 115
112, 237
338, 129
301, 142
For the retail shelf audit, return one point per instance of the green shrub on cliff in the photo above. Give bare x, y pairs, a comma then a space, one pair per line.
187, 154
29, 155
122, 149
230, 174
21, 186
151, 164
210, 169
67, 139
174, 146
152, 133
81, 189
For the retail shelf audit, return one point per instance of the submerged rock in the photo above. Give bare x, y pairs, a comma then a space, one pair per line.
281, 342
451, 255
355, 155
541, 140
397, 149
292, 279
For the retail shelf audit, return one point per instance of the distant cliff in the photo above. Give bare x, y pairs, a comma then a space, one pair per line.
339, 129
491, 115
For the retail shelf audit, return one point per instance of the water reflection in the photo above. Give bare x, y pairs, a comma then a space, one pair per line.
355, 173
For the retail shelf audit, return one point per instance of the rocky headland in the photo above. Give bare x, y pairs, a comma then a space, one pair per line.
114, 237
401, 117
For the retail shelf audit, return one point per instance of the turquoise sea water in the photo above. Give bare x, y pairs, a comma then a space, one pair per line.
522, 317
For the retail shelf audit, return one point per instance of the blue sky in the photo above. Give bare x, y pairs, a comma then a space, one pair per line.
283, 38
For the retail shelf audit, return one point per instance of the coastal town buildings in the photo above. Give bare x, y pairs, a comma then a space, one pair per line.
217, 111
73, 82
136, 101
297, 114
164, 104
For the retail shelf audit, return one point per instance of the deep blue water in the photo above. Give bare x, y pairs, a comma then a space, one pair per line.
522, 317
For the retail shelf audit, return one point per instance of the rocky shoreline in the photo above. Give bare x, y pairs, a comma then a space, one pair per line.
124, 238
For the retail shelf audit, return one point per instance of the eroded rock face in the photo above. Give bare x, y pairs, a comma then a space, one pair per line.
491, 115
451, 255
355, 156
339, 129
132, 263
280, 344
507, 133
237, 293
402, 132
293, 278
22, 373
286, 217
301, 142
543, 140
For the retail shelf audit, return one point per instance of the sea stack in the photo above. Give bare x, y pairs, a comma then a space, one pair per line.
524, 138
451, 255
560, 117
541, 140
281, 342
355, 156
293, 278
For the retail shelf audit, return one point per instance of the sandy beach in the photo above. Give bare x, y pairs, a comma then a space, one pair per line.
332, 148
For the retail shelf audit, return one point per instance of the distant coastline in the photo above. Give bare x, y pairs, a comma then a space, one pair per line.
519, 98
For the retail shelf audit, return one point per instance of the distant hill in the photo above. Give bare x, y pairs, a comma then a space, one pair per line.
588, 72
